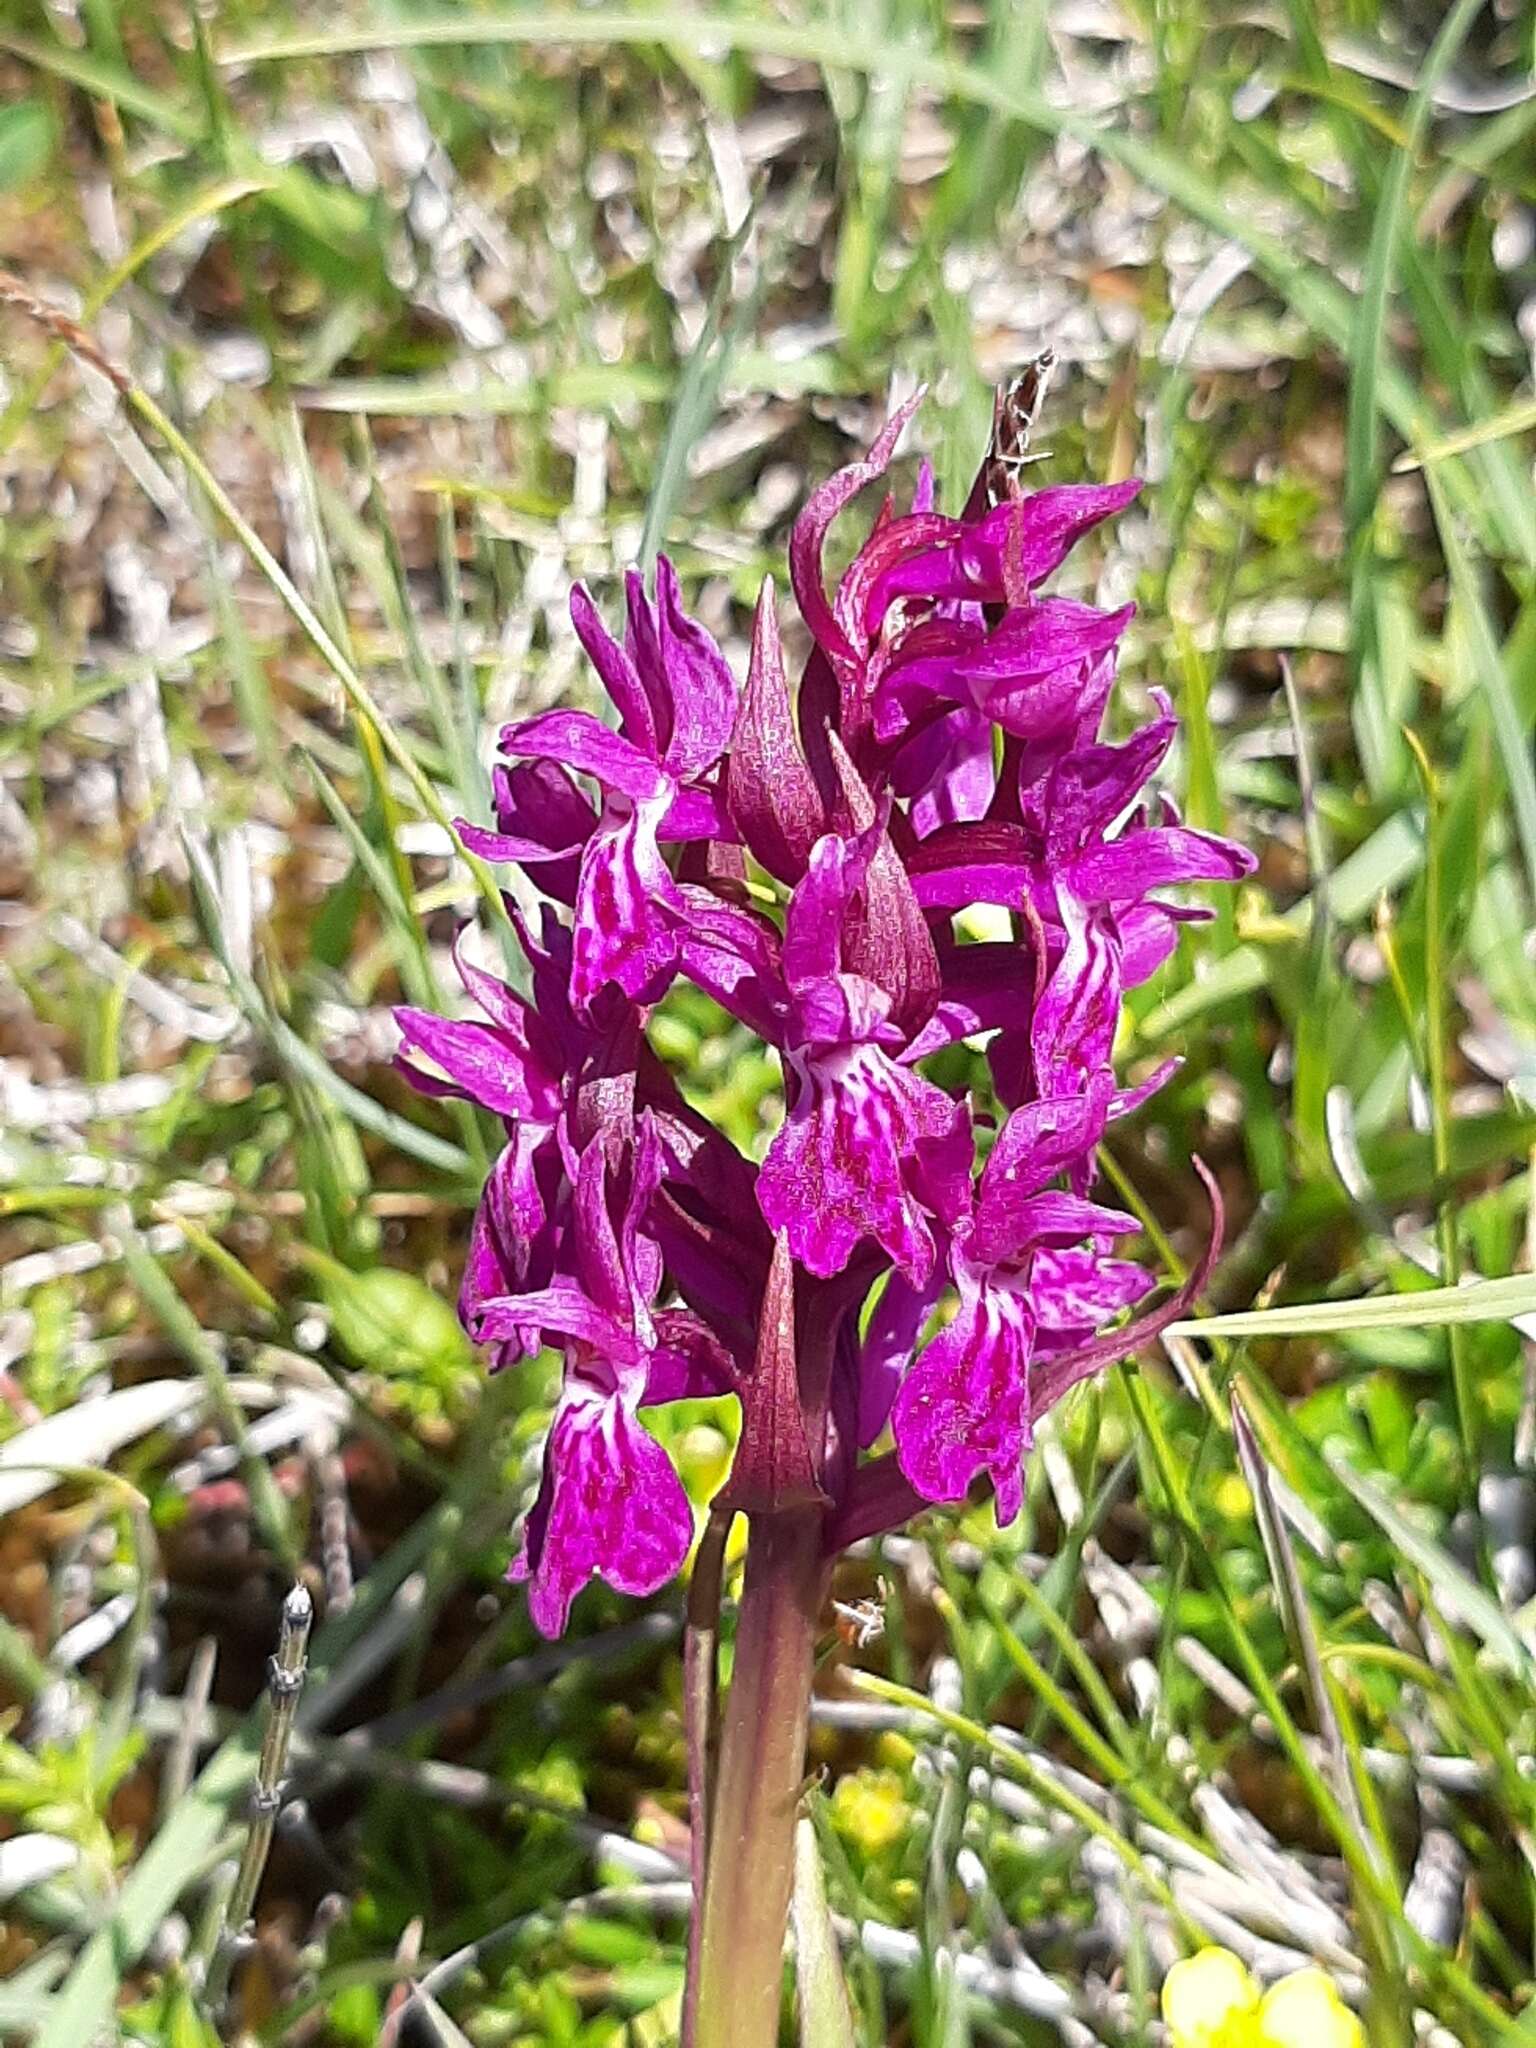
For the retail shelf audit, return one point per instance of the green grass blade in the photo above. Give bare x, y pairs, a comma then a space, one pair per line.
1432, 1308
1456, 1592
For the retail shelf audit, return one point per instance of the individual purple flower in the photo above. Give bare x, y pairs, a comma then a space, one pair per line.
963, 1406
610, 1503
908, 626
676, 701
518, 1063
868, 1148
1075, 834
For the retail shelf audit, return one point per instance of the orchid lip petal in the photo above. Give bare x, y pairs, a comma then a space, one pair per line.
963, 1407
868, 1149
611, 1506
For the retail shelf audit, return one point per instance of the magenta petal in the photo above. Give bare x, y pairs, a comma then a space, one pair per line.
699, 682
698, 814
963, 1408
733, 955
563, 1308
1148, 933
541, 817
1092, 786
549, 959
1044, 710
947, 771
1036, 641
639, 1258
511, 1237
503, 1005
1155, 858
865, 1149
610, 1506
1078, 1291
813, 922
689, 1362
1074, 1025
1044, 1139
627, 907
598, 1258
508, 846
584, 743
541, 801
810, 533
958, 888
1045, 527
642, 643
542, 821
841, 1010
887, 1349
1031, 674
620, 678
1008, 1231
985, 861
481, 1063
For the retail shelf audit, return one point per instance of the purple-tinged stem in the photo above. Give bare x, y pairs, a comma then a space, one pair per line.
740, 1962
700, 1644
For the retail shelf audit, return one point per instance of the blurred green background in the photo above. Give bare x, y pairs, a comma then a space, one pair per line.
333, 347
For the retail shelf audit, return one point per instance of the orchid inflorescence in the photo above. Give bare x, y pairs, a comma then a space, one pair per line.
802, 859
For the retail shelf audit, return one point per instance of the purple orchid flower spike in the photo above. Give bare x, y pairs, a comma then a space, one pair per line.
892, 1323
944, 753
610, 1503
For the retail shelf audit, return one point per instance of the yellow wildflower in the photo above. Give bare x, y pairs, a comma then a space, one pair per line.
1210, 2001
869, 1810
1306, 2011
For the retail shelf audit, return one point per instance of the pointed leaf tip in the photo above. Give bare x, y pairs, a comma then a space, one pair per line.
775, 1468
771, 793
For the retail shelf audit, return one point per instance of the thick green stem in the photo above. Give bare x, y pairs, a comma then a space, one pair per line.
757, 1790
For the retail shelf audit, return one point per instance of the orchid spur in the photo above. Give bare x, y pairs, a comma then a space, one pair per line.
911, 1275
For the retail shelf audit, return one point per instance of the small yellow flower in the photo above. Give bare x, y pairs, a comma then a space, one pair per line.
1306, 2011
869, 1810
1210, 2001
